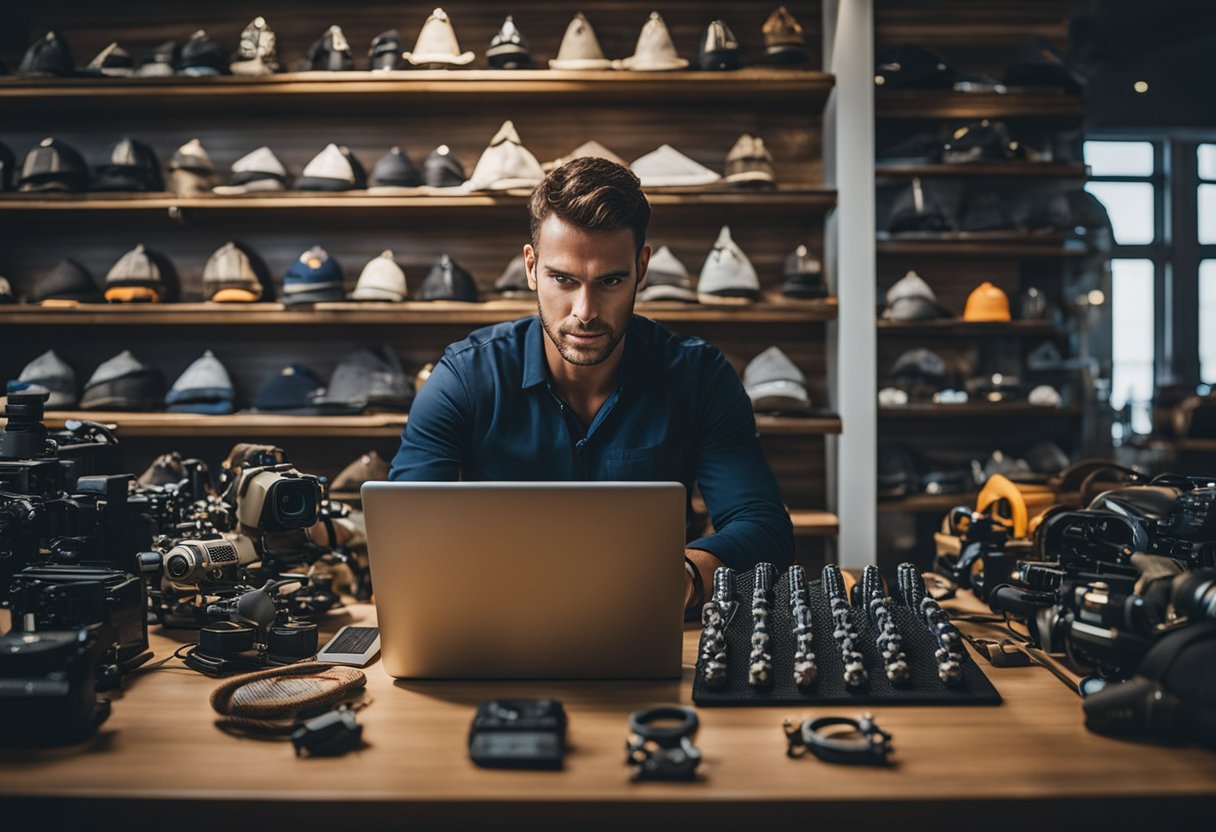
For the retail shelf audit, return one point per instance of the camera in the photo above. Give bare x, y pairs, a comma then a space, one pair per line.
277, 498
1120, 574
47, 687
192, 561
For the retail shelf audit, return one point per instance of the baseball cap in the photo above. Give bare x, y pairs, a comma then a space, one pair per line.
137, 277
393, 172
727, 276
667, 279
202, 55
513, 282
803, 275
509, 48
775, 384
580, 48
124, 383
67, 284
437, 43
333, 169
381, 279
204, 387
442, 170
719, 49
386, 51
447, 280
667, 167
52, 373
48, 56
368, 379
130, 166
750, 164
294, 390
314, 277
230, 277
505, 164
53, 166
254, 172
655, 51
911, 299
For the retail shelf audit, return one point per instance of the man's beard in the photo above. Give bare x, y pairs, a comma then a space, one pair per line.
571, 354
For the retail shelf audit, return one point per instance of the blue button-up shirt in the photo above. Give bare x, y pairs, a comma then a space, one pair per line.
489, 411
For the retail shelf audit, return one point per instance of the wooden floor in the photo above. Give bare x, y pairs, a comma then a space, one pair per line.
159, 756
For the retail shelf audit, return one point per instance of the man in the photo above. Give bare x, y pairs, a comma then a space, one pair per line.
586, 390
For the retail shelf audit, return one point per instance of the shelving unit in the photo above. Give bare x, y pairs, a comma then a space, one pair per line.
631, 113
954, 263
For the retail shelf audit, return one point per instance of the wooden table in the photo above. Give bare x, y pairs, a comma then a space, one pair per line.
158, 763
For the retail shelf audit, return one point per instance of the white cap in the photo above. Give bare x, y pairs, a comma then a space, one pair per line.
668, 167
505, 164
381, 279
437, 43
580, 47
654, 51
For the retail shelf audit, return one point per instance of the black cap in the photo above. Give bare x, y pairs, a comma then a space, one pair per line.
1038, 63
295, 389
918, 149
386, 50
49, 55
395, 169
913, 67
719, 48
124, 383
448, 281
68, 280
331, 51
130, 166
443, 170
53, 166
509, 48
914, 210
201, 55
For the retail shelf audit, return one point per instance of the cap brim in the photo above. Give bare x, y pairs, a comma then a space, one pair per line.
580, 63
376, 294
235, 296
132, 294
423, 58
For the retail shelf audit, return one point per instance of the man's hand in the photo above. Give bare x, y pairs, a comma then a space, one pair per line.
706, 564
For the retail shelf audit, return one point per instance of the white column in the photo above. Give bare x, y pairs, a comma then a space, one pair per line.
848, 141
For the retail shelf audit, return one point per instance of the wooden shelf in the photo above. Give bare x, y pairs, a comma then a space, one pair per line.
810, 523
980, 244
957, 327
948, 104
1195, 446
779, 201
808, 89
927, 503
271, 425
995, 410
798, 425
391, 314
994, 170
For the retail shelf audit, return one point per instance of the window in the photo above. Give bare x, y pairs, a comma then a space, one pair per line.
1207, 322
1126, 177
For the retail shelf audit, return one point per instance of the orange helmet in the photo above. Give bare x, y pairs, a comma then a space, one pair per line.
987, 303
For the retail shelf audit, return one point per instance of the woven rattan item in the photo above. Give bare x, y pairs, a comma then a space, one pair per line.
269, 701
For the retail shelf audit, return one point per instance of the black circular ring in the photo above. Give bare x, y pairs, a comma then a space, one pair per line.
862, 749
639, 722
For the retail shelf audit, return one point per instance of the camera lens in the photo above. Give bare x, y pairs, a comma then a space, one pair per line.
292, 503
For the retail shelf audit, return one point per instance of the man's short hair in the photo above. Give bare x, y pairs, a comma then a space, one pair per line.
595, 194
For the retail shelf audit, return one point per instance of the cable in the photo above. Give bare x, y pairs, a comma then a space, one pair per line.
157, 665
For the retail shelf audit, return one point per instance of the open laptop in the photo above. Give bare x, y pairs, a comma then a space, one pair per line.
528, 580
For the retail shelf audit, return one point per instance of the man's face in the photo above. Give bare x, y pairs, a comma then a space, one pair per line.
586, 283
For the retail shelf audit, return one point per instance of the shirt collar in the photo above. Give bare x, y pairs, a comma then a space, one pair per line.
536, 370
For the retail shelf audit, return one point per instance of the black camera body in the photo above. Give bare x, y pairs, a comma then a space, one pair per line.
47, 687
1118, 577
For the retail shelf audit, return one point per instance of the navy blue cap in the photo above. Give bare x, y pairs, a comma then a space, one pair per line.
313, 277
295, 390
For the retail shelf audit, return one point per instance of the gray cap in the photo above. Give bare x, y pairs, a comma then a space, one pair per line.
920, 366
123, 383
229, 276
667, 279
775, 384
204, 387
728, 276
513, 282
50, 371
911, 299
135, 268
381, 279
368, 378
